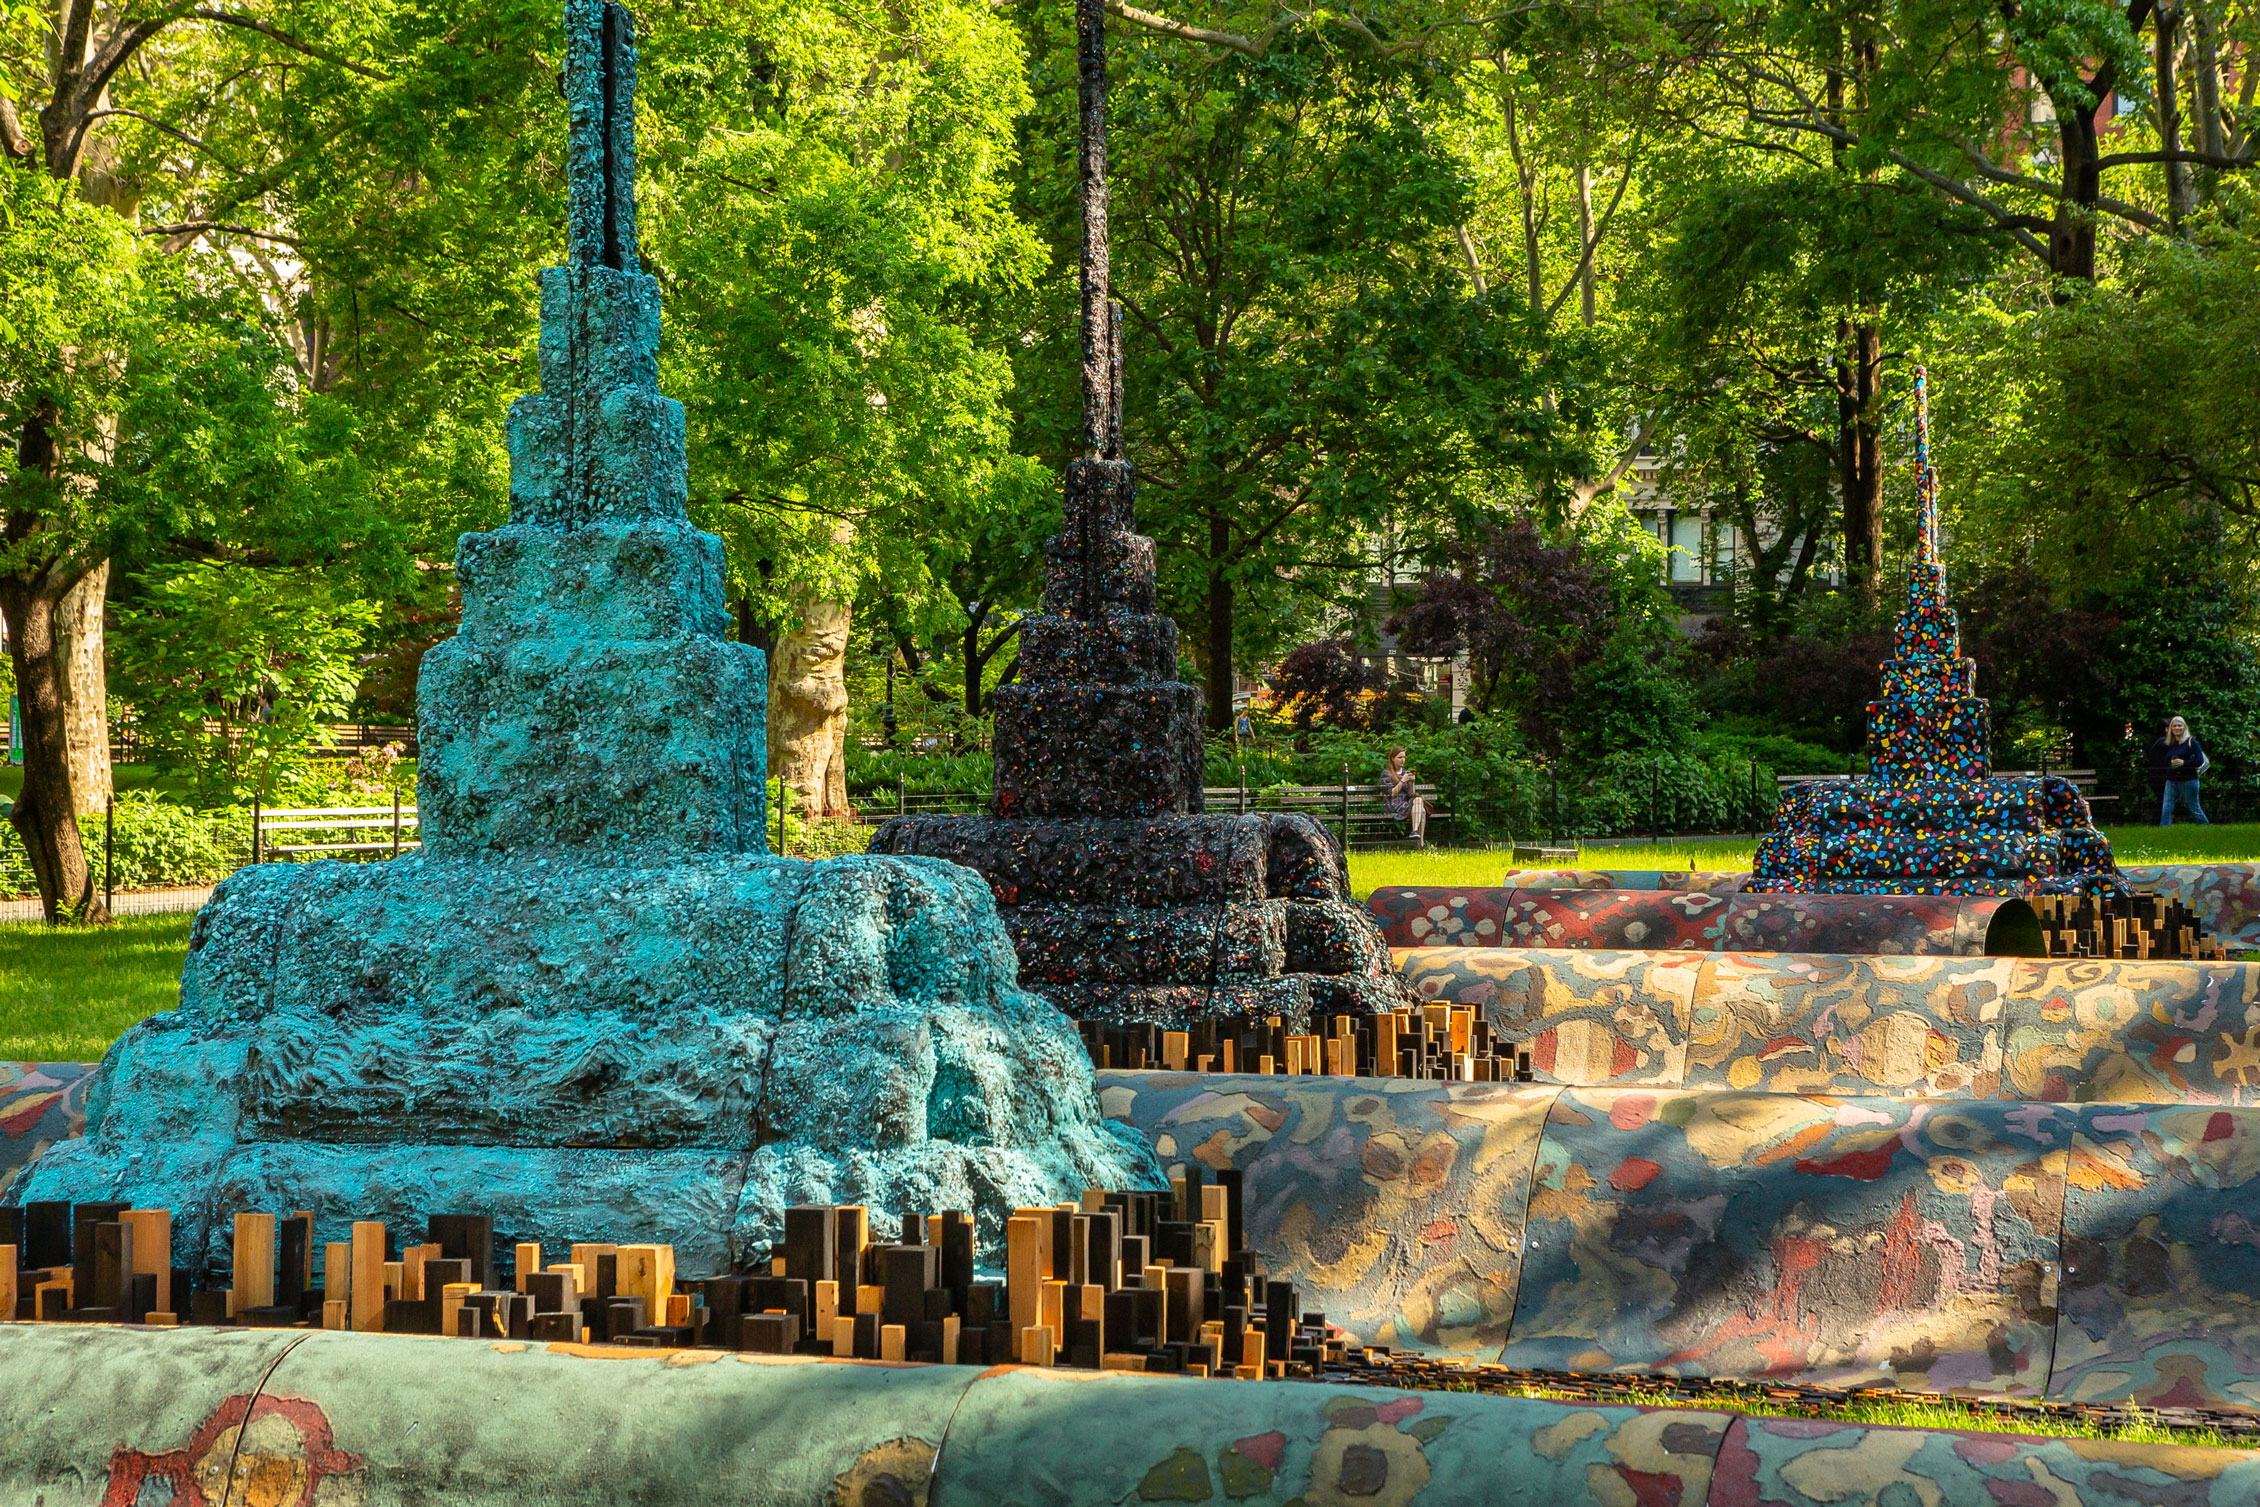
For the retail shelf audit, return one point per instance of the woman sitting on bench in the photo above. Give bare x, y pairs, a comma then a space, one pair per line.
1401, 798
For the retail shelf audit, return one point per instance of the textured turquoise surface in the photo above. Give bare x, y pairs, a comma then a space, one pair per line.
593, 1004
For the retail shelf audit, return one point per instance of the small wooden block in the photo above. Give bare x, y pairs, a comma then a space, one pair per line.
679, 1309
892, 1340
396, 1279
1024, 1272
368, 1290
337, 1269
1116, 1360
950, 1335
843, 1337
451, 1309
253, 1285
412, 1271
161, 1319
152, 1249
334, 1314
7, 1282
870, 1298
529, 1261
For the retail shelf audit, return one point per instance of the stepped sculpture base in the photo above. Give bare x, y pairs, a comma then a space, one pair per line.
1171, 918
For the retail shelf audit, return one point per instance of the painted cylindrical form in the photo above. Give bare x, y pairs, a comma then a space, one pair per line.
2047, 1029
1906, 925
99, 1416
2224, 896
1697, 881
2084, 1252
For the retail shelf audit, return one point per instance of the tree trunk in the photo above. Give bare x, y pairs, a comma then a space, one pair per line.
1585, 243
85, 688
808, 704
2071, 240
45, 817
2167, 43
974, 662
1219, 625
2205, 91
1859, 455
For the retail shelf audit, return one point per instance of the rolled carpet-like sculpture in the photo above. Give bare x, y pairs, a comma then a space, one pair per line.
2053, 1030
2002, 1248
1912, 925
100, 1415
2225, 897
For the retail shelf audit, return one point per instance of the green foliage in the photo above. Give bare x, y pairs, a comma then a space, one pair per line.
153, 842
231, 669
873, 773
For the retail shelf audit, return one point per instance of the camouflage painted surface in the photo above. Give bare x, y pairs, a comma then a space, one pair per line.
1590, 1018
1701, 881
1073, 1438
1802, 1462
112, 1416
2161, 1290
40, 1103
1394, 1206
2061, 1030
1910, 925
594, 1423
1839, 1241
2134, 1032
115, 1417
2225, 896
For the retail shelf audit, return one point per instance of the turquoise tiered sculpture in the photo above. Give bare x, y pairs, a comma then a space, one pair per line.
593, 1005
1931, 819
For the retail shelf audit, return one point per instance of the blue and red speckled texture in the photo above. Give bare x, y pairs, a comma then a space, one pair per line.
1931, 820
2225, 897
1919, 925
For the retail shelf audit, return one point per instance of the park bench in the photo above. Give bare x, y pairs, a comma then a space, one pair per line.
1353, 812
393, 825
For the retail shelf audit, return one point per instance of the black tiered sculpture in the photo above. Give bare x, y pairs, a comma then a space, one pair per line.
1932, 819
1124, 902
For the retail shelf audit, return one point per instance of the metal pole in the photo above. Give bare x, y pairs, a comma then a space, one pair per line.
902, 787
1655, 800
1753, 800
1243, 787
109, 848
780, 816
1555, 772
396, 821
255, 829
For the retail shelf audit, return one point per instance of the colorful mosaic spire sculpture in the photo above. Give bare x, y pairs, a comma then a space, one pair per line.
1932, 819
1124, 901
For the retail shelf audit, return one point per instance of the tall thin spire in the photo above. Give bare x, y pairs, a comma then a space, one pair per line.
1101, 316
600, 93
1926, 476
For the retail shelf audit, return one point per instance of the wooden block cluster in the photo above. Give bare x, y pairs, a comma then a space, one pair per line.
1146, 1281
96, 1263
1437, 1042
2125, 927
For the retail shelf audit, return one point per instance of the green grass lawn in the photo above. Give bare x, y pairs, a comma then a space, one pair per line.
1484, 866
66, 993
